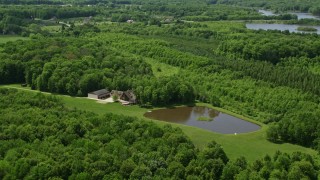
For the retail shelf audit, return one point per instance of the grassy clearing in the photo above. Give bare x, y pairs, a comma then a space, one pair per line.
7, 38
250, 145
52, 29
161, 69
303, 28
225, 26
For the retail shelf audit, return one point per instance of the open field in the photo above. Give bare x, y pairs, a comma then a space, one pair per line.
160, 69
7, 38
52, 29
250, 145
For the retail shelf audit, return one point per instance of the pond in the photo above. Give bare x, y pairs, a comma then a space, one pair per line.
221, 122
281, 27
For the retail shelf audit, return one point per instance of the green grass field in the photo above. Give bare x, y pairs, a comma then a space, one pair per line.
7, 38
250, 145
52, 29
160, 69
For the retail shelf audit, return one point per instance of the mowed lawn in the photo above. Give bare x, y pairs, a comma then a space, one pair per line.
7, 38
250, 145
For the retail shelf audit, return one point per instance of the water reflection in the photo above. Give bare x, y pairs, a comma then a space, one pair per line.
222, 123
198, 111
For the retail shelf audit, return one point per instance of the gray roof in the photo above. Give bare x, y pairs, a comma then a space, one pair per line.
131, 96
100, 92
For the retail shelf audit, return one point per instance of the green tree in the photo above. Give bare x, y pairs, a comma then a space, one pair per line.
127, 167
141, 172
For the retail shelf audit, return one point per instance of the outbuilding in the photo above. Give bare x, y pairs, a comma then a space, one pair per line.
100, 94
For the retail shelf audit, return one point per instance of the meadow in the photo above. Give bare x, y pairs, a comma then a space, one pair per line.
7, 38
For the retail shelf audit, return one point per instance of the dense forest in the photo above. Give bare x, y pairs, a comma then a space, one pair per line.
76, 67
168, 53
40, 139
87, 57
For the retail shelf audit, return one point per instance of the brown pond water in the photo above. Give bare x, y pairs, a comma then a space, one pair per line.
221, 123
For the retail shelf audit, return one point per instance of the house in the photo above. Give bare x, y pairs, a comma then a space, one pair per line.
128, 96
168, 20
130, 21
100, 94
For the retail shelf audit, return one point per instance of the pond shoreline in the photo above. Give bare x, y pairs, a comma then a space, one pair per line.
223, 121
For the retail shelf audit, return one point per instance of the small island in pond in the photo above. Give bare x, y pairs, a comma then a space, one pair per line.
203, 118
304, 28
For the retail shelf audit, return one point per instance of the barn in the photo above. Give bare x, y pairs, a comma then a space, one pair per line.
100, 94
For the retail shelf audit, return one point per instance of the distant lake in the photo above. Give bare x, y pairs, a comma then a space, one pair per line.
299, 15
306, 16
221, 122
281, 27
